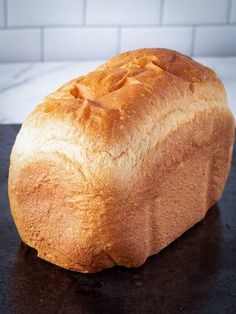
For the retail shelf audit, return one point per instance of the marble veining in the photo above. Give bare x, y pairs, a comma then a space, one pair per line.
24, 85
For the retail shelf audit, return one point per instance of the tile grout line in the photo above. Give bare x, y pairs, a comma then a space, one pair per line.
193, 40
5, 13
125, 26
42, 44
118, 40
161, 12
84, 12
230, 3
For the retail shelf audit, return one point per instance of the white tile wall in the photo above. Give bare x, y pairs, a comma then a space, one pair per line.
177, 38
233, 12
86, 29
195, 11
20, 45
44, 12
2, 17
211, 41
79, 43
123, 12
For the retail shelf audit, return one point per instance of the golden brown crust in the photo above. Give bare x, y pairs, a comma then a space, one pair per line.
115, 165
108, 103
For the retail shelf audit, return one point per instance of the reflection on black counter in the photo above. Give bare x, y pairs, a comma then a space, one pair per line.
178, 278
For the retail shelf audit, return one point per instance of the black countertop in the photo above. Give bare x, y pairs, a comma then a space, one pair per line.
195, 274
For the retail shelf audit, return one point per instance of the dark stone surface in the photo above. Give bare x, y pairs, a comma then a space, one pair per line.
195, 274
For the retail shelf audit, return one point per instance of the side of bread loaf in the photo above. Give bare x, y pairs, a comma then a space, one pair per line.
115, 165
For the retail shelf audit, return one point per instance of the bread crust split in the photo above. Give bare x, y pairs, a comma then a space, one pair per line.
117, 164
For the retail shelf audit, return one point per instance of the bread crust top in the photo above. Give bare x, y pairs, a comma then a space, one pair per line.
113, 101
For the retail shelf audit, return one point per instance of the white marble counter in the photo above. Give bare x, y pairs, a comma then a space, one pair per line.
23, 85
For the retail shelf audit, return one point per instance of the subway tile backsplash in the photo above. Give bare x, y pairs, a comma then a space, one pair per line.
43, 30
123, 12
195, 11
207, 41
178, 38
233, 12
79, 43
44, 12
20, 45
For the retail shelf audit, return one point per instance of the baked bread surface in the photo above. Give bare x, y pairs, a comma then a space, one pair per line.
116, 164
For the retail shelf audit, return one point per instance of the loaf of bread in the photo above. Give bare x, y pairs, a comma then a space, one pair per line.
117, 164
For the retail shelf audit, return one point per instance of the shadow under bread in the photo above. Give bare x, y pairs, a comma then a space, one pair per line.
179, 278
